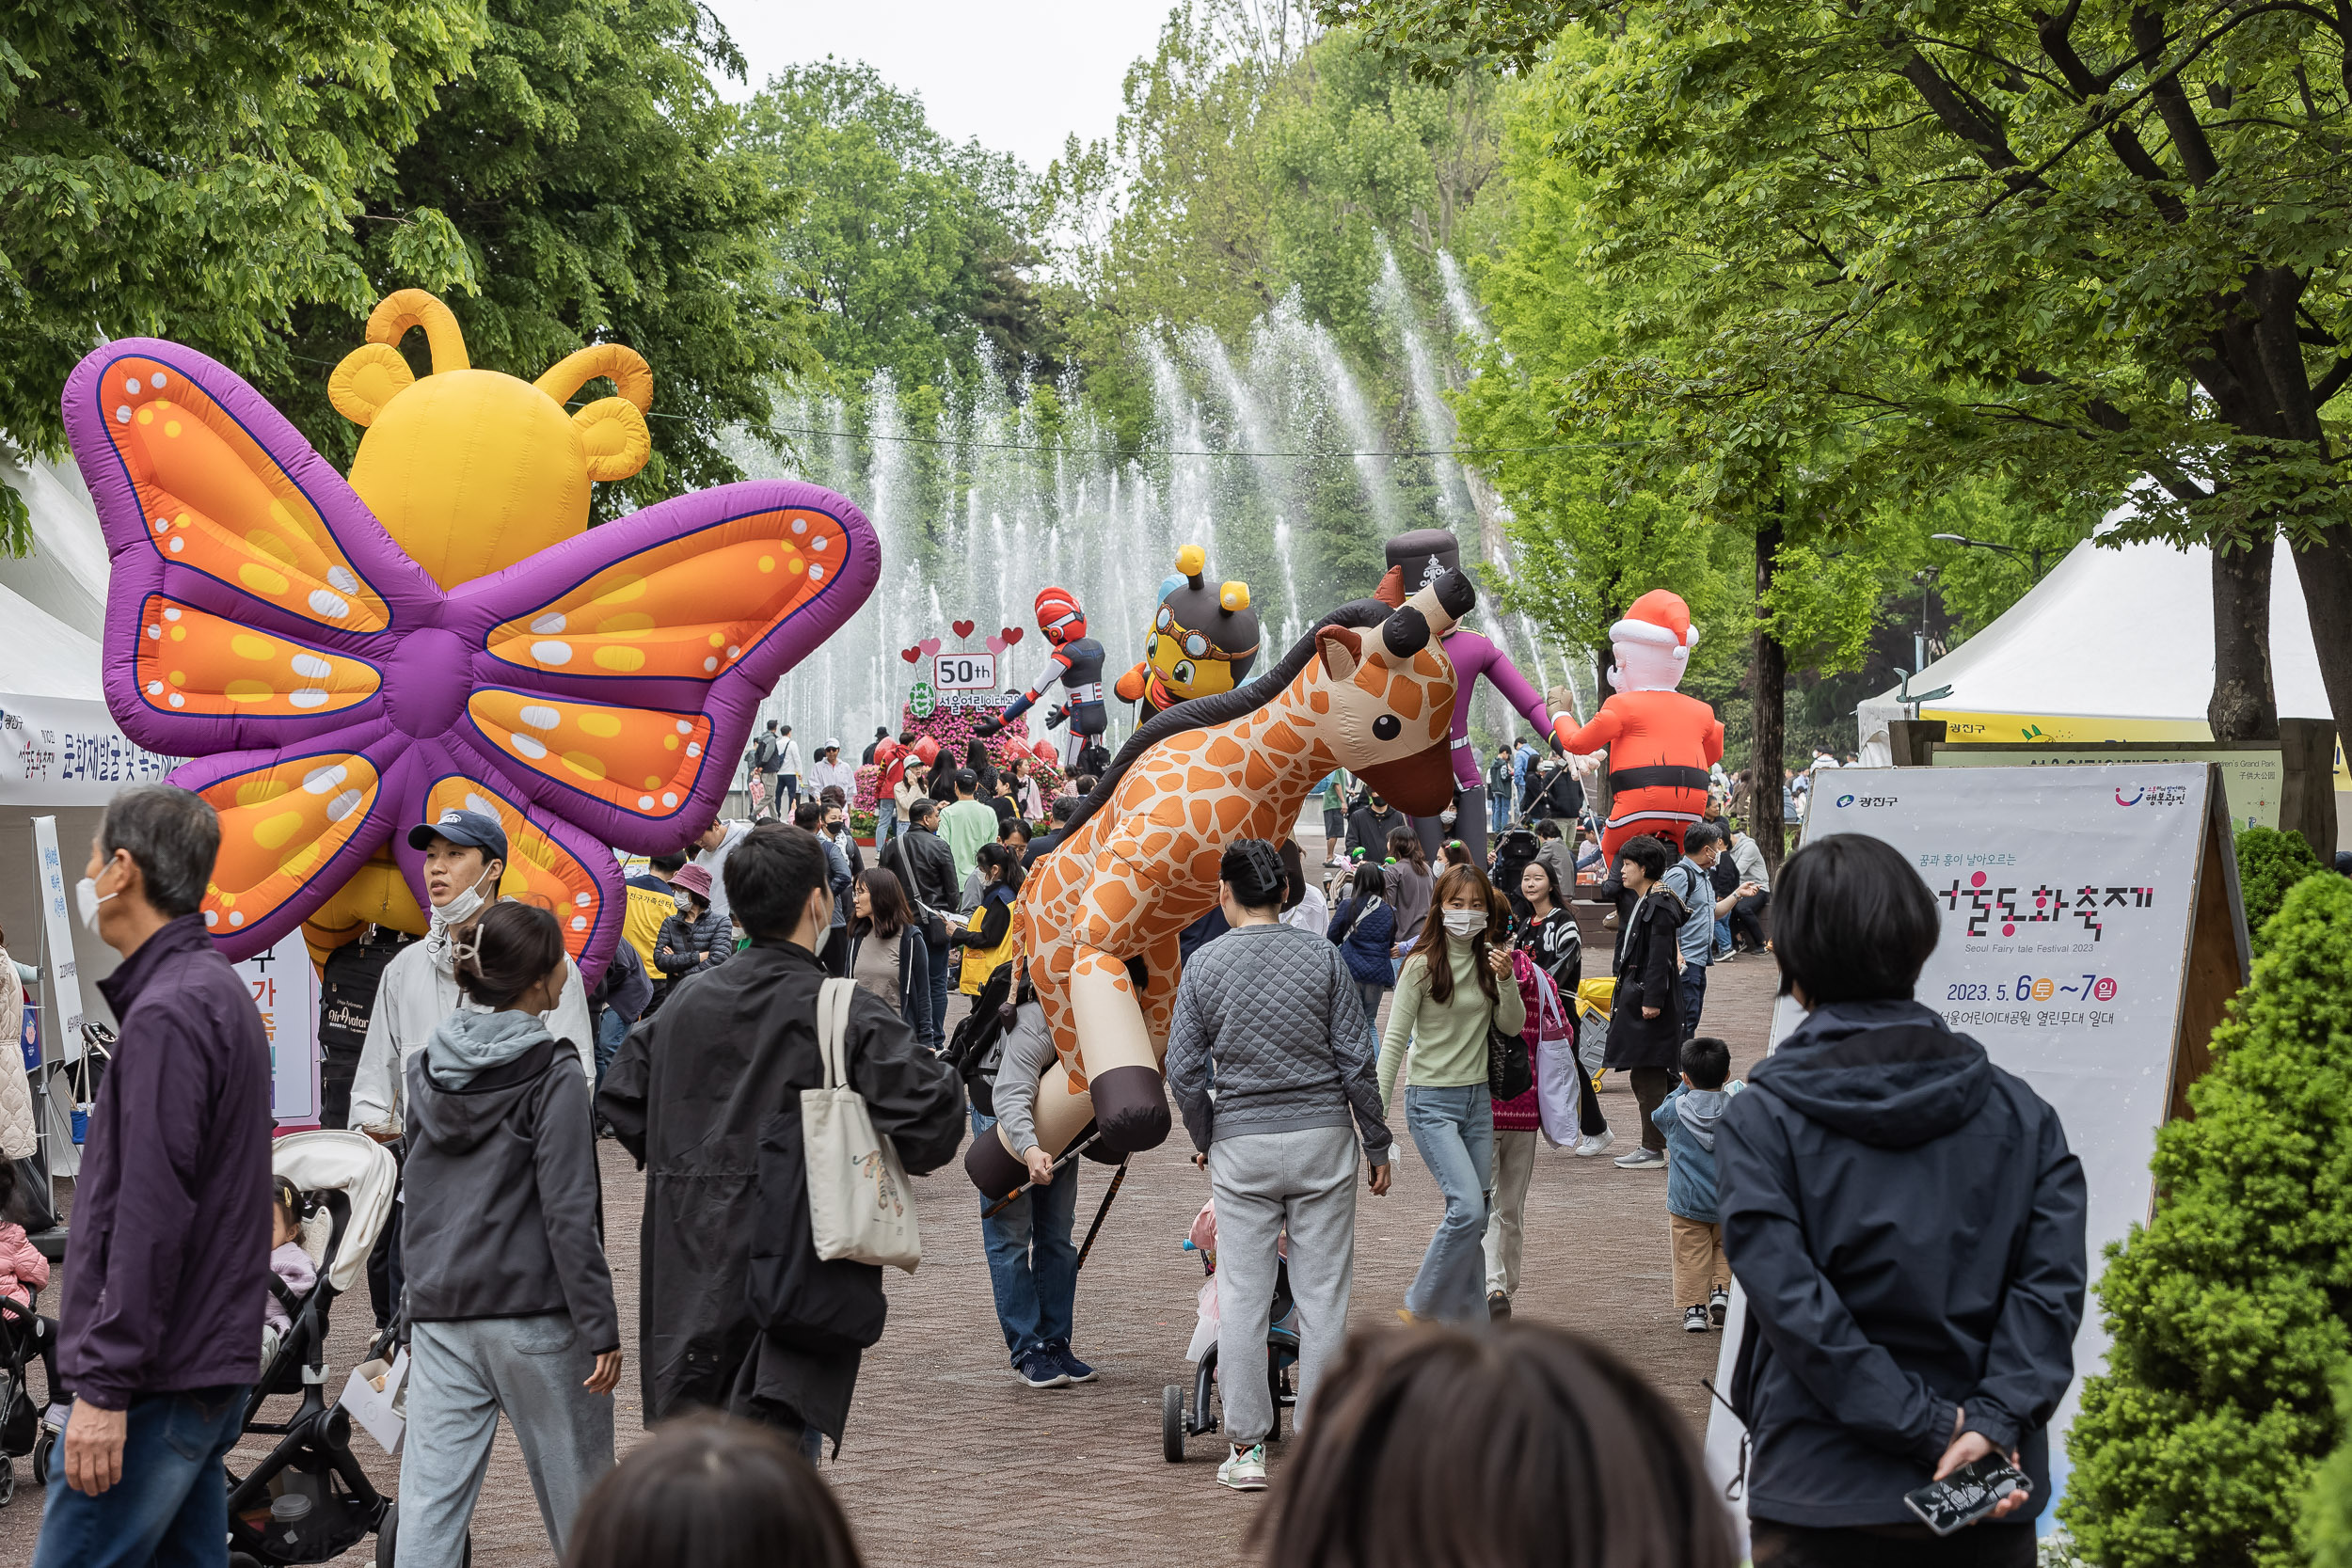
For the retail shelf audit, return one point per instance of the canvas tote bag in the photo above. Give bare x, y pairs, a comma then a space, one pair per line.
860, 1206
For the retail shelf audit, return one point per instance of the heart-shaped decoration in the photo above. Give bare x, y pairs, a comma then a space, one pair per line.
911, 655
996, 645
963, 629
929, 644
1012, 635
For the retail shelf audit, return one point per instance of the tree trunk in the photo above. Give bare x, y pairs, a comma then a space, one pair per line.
2245, 706
1769, 742
2325, 573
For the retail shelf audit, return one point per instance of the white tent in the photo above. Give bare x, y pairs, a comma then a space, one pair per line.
2114, 644
65, 576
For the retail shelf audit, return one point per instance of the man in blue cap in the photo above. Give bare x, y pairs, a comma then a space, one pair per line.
465, 855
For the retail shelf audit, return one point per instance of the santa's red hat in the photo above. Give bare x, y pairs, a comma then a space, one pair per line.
1660, 619
1059, 615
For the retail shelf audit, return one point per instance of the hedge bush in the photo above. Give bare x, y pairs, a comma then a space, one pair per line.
2198, 1442
2269, 862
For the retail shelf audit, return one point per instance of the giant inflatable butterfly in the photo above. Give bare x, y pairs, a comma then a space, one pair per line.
342, 660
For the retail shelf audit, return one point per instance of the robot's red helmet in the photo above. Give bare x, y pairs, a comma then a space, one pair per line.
1058, 616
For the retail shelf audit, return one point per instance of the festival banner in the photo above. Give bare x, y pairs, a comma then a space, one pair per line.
2068, 895
57, 752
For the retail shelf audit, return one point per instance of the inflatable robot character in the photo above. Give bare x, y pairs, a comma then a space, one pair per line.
1661, 742
1203, 641
1422, 557
1102, 914
1076, 664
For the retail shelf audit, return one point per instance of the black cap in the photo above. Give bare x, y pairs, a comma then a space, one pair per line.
1425, 554
469, 830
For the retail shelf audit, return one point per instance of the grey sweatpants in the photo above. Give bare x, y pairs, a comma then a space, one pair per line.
461, 1375
1265, 1183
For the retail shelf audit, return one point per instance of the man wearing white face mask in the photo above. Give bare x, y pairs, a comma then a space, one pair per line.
465, 855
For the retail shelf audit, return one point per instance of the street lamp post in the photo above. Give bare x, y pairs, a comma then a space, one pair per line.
2032, 553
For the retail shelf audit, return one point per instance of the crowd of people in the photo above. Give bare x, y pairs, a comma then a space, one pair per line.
1888, 1346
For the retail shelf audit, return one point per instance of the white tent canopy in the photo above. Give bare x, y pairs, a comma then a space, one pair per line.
65, 576
2114, 644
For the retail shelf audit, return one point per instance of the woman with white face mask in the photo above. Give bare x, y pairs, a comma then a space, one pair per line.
1451, 989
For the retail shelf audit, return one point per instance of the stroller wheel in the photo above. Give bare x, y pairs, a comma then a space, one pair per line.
1172, 1424
44, 1447
7, 1481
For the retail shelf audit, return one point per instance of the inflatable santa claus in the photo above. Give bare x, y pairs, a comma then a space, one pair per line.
1660, 743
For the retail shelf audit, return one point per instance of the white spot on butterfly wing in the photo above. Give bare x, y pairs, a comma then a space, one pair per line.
320, 779
549, 624
333, 606
551, 653
156, 381
340, 576
579, 922
475, 803
122, 414
307, 696
526, 746
345, 804
540, 717
311, 667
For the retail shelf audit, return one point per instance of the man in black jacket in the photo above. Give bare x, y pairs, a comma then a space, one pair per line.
1908, 1225
1368, 828
926, 867
701, 1094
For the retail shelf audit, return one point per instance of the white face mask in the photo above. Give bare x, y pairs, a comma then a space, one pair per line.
464, 907
87, 901
1464, 923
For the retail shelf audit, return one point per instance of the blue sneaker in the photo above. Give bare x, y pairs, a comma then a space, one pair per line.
1077, 1370
1039, 1369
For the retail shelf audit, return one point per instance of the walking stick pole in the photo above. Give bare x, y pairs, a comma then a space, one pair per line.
1067, 1156
1096, 1228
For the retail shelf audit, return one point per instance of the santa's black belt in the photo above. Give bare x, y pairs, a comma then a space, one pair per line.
1658, 778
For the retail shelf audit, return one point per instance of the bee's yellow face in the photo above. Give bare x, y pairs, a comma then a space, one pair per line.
472, 470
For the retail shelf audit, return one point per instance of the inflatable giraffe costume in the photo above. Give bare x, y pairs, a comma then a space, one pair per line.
1369, 689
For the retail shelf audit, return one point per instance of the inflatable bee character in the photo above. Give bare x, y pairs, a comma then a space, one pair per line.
1202, 639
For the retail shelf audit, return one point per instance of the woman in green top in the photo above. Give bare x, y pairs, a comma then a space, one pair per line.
1452, 987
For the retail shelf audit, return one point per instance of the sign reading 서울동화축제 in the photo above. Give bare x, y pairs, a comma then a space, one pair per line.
2091, 931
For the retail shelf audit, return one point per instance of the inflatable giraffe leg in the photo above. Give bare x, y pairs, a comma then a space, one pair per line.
1115, 1046
1060, 1113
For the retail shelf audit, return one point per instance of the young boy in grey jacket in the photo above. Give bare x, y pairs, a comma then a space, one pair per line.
1702, 1277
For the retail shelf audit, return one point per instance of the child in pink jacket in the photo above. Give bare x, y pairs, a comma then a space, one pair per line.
23, 1270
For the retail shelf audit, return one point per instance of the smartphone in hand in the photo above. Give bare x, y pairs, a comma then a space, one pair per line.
1967, 1495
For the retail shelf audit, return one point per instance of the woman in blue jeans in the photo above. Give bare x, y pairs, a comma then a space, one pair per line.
1453, 988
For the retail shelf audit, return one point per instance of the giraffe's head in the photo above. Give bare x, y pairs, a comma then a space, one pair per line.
1384, 697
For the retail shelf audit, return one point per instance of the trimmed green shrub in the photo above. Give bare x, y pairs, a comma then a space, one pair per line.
2269, 862
2197, 1444
2328, 1512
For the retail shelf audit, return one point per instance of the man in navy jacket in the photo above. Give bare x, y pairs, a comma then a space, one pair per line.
1907, 1222
167, 1269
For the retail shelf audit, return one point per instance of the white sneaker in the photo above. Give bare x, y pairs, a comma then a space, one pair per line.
1641, 1159
1244, 1471
1594, 1145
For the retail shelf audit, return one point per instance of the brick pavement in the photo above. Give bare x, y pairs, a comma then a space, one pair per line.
948, 1459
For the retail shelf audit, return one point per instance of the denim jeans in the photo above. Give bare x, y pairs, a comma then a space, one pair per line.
1497, 812
1723, 933
1032, 1266
942, 982
171, 1506
1693, 997
886, 822
1454, 1129
611, 1029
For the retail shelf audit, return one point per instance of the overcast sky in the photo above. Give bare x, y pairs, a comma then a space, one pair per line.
1019, 74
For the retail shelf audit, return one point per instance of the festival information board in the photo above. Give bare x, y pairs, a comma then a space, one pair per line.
2253, 776
2092, 934
61, 973
285, 988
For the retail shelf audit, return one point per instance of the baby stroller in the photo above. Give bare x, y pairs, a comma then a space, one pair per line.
1281, 1346
23, 1429
308, 1501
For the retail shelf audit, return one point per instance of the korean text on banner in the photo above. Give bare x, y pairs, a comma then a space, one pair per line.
63, 978
284, 987
2067, 896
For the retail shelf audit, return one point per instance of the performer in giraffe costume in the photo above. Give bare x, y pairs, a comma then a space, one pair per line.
1369, 689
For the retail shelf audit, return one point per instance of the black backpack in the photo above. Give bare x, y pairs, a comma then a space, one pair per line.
978, 1042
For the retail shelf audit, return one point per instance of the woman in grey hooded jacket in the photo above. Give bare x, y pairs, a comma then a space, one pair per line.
509, 1301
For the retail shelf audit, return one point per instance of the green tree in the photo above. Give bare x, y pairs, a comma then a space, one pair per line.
2270, 862
2080, 245
911, 251
193, 171
2199, 1440
601, 193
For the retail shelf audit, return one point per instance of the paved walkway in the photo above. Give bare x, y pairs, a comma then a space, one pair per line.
948, 1459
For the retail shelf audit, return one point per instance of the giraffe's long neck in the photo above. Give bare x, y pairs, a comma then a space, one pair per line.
1287, 737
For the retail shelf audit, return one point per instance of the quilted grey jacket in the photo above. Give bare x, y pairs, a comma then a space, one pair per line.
1273, 1015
